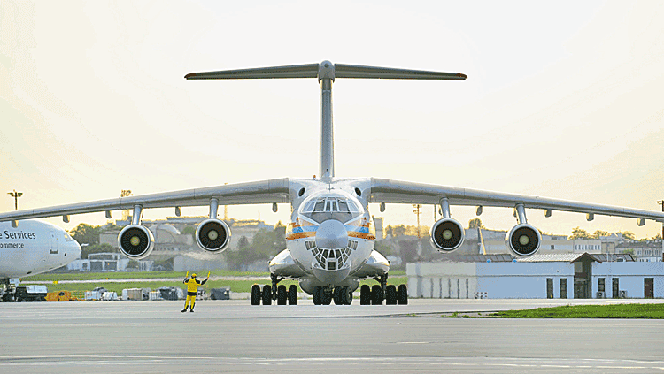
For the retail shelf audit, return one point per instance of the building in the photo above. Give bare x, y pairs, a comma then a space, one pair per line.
98, 262
642, 250
565, 276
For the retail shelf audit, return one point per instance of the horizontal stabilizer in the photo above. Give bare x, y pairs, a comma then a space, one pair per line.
377, 72
326, 70
273, 72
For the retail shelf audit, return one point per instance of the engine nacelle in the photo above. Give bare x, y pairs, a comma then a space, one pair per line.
213, 235
447, 234
524, 240
136, 241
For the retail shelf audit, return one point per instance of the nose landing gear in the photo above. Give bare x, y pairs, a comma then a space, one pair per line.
268, 293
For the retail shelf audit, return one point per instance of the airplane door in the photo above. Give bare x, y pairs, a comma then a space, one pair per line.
53, 244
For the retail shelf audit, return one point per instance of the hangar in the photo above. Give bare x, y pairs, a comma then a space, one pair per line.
564, 276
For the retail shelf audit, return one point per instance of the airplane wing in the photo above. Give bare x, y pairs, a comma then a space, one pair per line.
265, 191
394, 191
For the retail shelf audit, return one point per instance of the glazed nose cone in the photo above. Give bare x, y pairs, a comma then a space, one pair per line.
331, 234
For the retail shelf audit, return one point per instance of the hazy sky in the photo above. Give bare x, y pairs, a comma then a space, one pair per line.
563, 99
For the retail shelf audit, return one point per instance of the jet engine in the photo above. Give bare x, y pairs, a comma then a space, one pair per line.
524, 239
213, 235
447, 234
136, 241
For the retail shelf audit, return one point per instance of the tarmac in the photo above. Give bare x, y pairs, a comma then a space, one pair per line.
232, 336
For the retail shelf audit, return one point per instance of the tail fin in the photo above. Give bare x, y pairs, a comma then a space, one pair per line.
326, 72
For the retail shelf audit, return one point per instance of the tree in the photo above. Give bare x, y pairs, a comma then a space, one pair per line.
628, 235
264, 245
86, 234
579, 233
191, 230
475, 223
598, 233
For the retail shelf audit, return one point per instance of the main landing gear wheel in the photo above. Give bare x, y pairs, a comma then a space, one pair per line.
342, 296
282, 296
256, 295
292, 295
377, 295
267, 295
365, 295
317, 294
391, 295
325, 296
402, 295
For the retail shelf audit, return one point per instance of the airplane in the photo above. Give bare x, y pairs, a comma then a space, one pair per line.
330, 237
34, 247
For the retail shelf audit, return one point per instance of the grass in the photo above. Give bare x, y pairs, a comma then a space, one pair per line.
159, 274
654, 311
236, 285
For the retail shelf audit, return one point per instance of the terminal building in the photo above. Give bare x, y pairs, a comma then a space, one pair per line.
559, 276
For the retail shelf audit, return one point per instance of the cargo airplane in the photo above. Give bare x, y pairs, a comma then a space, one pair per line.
330, 237
32, 248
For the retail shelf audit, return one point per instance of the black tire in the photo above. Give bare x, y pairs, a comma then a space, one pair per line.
348, 296
391, 297
325, 296
282, 296
376, 295
267, 295
340, 295
255, 295
317, 294
292, 295
402, 295
365, 295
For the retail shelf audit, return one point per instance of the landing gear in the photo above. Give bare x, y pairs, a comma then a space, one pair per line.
256, 295
267, 295
292, 295
342, 296
282, 296
391, 295
365, 295
322, 295
376, 295
402, 295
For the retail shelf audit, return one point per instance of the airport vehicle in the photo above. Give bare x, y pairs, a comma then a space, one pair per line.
330, 238
32, 248
30, 293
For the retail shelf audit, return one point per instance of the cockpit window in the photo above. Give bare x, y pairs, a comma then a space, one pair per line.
325, 208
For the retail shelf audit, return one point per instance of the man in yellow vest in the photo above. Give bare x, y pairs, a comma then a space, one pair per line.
192, 289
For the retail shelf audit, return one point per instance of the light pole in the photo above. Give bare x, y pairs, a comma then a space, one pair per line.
416, 210
15, 195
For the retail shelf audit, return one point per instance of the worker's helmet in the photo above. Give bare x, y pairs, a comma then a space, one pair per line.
193, 275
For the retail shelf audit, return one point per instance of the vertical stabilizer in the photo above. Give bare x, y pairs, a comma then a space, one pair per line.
326, 72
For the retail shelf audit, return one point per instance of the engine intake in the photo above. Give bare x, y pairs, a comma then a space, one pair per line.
213, 235
136, 241
447, 234
524, 240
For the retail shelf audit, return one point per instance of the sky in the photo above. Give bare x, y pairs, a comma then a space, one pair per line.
562, 100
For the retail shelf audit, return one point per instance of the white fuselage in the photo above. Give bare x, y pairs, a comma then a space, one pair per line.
34, 247
330, 239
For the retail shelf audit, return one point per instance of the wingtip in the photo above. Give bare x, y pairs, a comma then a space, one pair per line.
462, 76
190, 75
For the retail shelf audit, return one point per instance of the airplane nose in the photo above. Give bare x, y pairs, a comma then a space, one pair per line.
331, 234
75, 250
